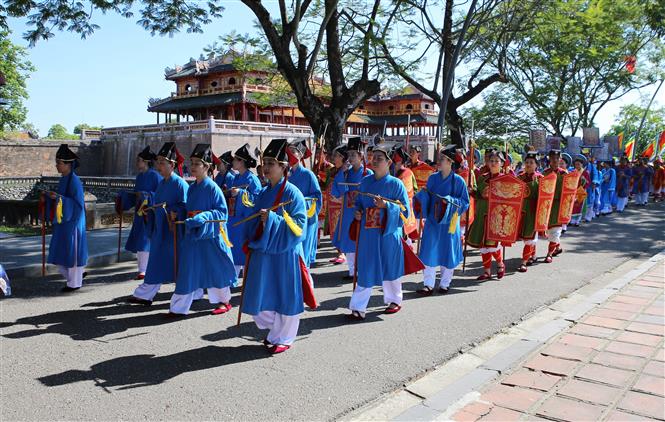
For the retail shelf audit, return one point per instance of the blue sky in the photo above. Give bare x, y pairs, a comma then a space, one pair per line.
107, 79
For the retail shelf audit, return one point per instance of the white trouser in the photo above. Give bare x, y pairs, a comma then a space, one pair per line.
351, 260
575, 219
489, 250
554, 235
607, 208
180, 304
564, 227
217, 295
590, 214
429, 277
392, 293
621, 203
643, 198
142, 261
146, 291
73, 275
238, 269
533, 241
283, 328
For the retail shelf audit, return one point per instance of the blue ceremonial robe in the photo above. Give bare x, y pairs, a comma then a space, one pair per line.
172, 191
69, 246
607, 187
238, 211
308, 185
440, 247
204, 259
380, 250
274, 280
225, 180
340, 238
592, 188
624, 174
143, 194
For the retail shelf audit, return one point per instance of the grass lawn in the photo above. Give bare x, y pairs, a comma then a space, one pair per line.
22, 230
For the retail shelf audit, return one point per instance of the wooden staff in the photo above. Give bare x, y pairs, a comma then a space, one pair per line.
42, 202
443, 198
471, 164
245, 270
154, 207
258, 214
204, 221
120, 215
379, 197
355, 260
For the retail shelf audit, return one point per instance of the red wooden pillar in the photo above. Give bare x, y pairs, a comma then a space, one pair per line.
244, 111
233, 112
293, 116
256, 113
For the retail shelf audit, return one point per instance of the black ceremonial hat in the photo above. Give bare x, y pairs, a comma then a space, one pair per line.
226, 158
245, 154
399, 154
277, 149
146, 154
203, 153
342, 150
301, 145
533, 155
355, 144
449, 152
65, 154
169, 151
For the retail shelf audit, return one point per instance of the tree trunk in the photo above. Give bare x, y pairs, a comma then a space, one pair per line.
456, 125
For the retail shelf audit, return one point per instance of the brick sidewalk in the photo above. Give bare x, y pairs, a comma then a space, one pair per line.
608, 366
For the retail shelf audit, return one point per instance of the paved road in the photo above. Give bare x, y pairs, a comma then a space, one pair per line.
89, 356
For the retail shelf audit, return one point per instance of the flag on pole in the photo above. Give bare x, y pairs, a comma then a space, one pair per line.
620, 140
650, 150
629, 150
661, 144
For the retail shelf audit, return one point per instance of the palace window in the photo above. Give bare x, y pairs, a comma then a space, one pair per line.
409, 107
426, 106
213, 84
391, 108
232, 81
188, 88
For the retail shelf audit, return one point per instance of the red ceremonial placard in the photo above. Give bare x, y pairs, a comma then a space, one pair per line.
568, 195
505, 199
546, 188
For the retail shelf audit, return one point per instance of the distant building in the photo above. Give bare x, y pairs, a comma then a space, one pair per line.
205, 88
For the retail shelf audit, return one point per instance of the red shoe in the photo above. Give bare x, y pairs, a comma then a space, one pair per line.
339, 260
522, 268
557, 252
425, 291
394, 310
548, 259
140, 277
279, 348
500, 273
222, 309
484, 276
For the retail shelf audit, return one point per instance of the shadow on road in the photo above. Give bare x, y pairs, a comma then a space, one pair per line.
144, 370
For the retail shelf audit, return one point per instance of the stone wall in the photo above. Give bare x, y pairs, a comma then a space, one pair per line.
37, 157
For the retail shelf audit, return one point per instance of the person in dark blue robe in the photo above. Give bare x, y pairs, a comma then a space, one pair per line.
142, 196
624, 173
66, 208
345, 186
444, 200
607, 187
169, 205
275, 276
240, 200
379, 244
225, 174
306, 181
204, 252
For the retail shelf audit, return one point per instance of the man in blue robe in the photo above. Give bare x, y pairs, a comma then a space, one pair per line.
307, 183
345, 186
623, 174
607, 187
441, 204
593, 190
380, 209
142, 196
240, 200
204, 252
276, 277
225, 173
66, 209
169, 206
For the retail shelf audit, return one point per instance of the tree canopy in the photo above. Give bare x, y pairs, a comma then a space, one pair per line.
16, 70
628, 121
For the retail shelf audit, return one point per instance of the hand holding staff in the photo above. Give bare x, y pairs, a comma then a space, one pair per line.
258, 214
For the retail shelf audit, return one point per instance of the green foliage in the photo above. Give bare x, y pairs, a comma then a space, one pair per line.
628, 121
572, 63
502, 116
58, 131
78, 129
16, 70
